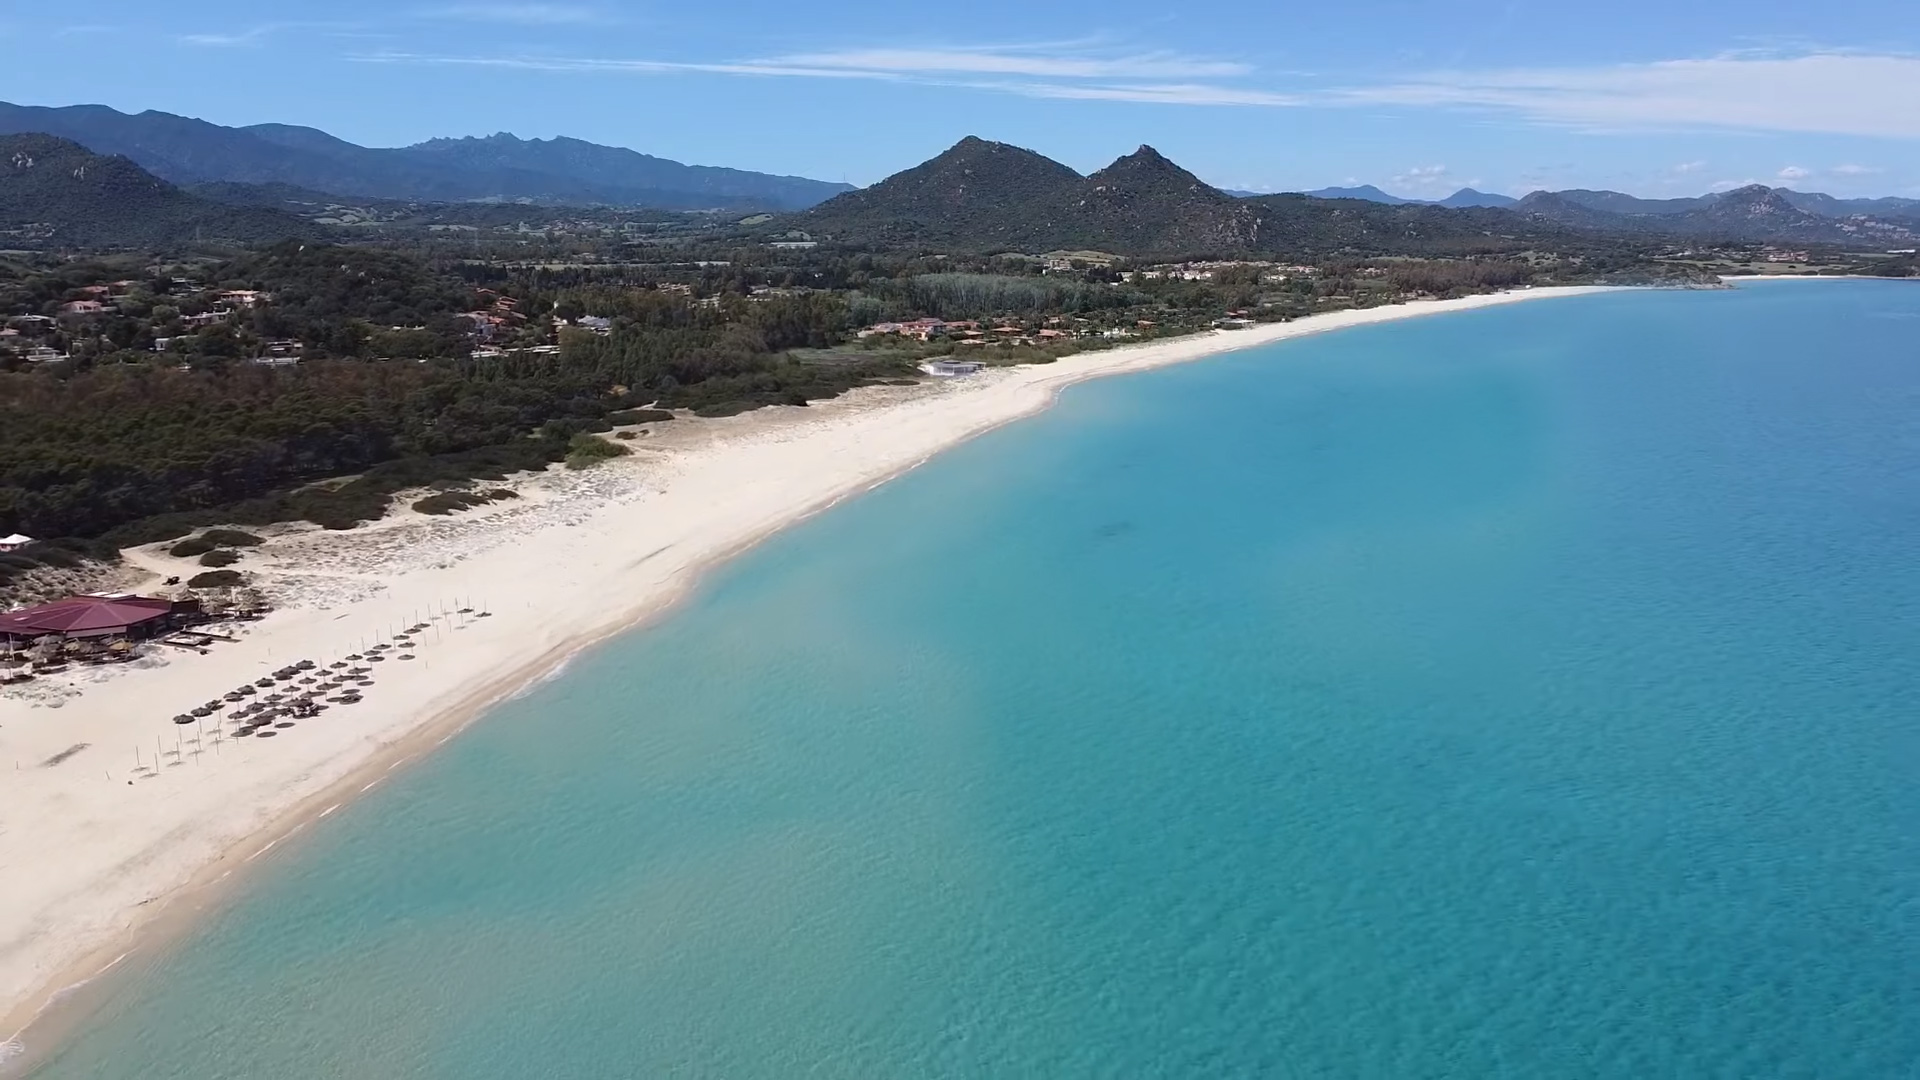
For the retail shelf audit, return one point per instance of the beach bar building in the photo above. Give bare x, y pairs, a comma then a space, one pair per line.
83, 617
951, 368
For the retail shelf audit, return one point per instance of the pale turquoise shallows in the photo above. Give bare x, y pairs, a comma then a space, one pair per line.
1525, 693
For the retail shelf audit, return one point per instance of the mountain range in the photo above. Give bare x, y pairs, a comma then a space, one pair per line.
54, 191
187, 151
1754, 212
1615, 202
982, 195
1465, 197
977, 196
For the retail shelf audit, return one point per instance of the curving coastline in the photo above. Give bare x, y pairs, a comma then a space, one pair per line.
108, 863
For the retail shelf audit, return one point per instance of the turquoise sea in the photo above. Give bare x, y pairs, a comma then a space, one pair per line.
1532, 692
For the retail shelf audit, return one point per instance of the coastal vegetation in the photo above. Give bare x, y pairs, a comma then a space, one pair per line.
143, 397
586, 451
449, 502
213, 539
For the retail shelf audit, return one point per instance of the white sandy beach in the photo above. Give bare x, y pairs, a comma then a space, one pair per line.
92, 852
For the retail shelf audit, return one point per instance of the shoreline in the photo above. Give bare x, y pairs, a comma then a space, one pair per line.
140, 857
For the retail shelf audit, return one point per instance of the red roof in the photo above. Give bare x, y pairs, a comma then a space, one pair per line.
85, 615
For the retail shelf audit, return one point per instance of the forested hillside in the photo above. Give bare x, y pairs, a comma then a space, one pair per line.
56, 193
88, 448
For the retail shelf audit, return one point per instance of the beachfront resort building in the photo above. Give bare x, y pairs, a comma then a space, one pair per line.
107, 615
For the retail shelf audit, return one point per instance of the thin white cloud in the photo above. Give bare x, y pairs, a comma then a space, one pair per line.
230, 38
1794, 172
1017, 61
565, 64
258, 34
1855, 170
1149, 94
1828, 92
1688, 168
1057, 76
519, 14
1425, 178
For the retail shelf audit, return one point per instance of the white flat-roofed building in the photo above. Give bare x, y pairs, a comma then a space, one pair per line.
950, 368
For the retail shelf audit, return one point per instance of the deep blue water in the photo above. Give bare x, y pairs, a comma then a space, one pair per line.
1523, 693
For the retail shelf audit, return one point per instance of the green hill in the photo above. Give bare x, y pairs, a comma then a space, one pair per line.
1143, 202
984, 196
56, 193
978, 195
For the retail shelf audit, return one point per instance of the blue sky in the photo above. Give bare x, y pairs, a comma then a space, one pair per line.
1658, 98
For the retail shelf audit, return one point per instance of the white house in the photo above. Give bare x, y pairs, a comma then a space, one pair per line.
14, 542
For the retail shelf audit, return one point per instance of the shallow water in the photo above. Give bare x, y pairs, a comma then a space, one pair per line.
1522, 693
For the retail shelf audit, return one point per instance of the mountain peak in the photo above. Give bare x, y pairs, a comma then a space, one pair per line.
1365, 193
1146, 166
973, 148
970, 188
1468, 197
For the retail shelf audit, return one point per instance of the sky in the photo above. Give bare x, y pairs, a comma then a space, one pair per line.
1666, 98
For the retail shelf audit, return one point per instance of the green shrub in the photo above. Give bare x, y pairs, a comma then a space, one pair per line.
211, 539
639, 416
220, 557
53, 556
448, 502
216, 579
585, 451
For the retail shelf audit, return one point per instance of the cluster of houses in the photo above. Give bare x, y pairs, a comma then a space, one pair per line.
970, 332
96, 300
1204, 271
34, 337
500, 316
967, 332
